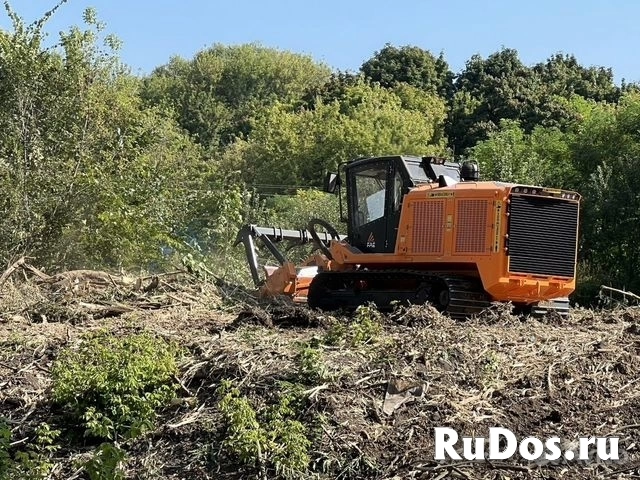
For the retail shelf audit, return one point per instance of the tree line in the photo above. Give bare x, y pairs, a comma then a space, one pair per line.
100, 167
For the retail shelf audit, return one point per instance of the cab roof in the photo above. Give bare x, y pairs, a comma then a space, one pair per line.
419, 169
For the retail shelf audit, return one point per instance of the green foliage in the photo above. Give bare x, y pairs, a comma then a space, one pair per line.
367, 325
612, 212
295, 211
89, 176
487, 91
590, 278
564, 76
540, 158
502, 156
105, 464
215, 212
277, 441
311, 366
365, 328
501, 87
5, 458
245, 438
335, 89
490, 370
113, 386
606, 153
147, 196
35, 461
215, 94
297, 147
410, 65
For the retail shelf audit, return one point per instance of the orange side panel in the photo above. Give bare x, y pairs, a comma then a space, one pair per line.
472, 224
428, 227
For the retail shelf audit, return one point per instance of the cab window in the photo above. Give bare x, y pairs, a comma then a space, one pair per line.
397, 191
371, 187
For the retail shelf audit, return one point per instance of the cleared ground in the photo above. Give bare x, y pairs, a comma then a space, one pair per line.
373, 387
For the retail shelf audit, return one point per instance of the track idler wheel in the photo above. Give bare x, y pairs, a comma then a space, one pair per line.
436, 294
444, 297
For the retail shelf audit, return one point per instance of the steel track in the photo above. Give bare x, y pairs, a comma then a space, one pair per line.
455, 295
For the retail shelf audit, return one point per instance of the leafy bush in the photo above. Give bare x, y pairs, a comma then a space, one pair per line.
105, 463
279, 441
35, 461
311, 367
5, 458
114, 385
365, 328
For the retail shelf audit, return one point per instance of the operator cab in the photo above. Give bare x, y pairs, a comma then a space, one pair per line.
376, 187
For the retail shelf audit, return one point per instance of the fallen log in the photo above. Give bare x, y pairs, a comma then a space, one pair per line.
12, 268
621, 292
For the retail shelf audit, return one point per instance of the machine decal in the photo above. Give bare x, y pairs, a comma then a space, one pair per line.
497, 225
440, 194
449, 225
371, 241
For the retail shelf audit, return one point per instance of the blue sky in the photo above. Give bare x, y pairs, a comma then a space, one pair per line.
345, 33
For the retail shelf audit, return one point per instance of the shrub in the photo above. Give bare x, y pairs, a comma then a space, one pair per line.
34, 462
311, 366
105, 463
114, 385
278, 441
5, 458
365, 328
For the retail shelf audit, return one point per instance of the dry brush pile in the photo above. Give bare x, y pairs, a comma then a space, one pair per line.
172, 376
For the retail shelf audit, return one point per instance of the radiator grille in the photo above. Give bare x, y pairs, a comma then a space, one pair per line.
542, 236
428, 226
471, 226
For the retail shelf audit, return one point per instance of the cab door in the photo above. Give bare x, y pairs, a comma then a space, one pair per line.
397, 189
374, 208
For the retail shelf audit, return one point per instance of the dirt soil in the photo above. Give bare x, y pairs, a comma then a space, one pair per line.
373, 413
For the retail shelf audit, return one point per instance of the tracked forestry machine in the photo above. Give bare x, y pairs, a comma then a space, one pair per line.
422, 229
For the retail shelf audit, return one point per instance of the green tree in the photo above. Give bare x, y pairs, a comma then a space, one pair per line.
506, 156
295, 211
611, 217
46, 129
488, 91
502, 87
597, 137
412, 65
334, 89
564, 76
607, 153
89, 176
542, 157
297, 147
215, 95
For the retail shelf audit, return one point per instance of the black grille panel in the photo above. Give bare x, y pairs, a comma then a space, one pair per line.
542, 236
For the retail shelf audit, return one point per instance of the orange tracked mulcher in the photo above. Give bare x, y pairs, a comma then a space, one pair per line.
421, 229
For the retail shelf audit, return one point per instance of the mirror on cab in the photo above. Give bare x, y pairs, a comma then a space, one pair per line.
331, 181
